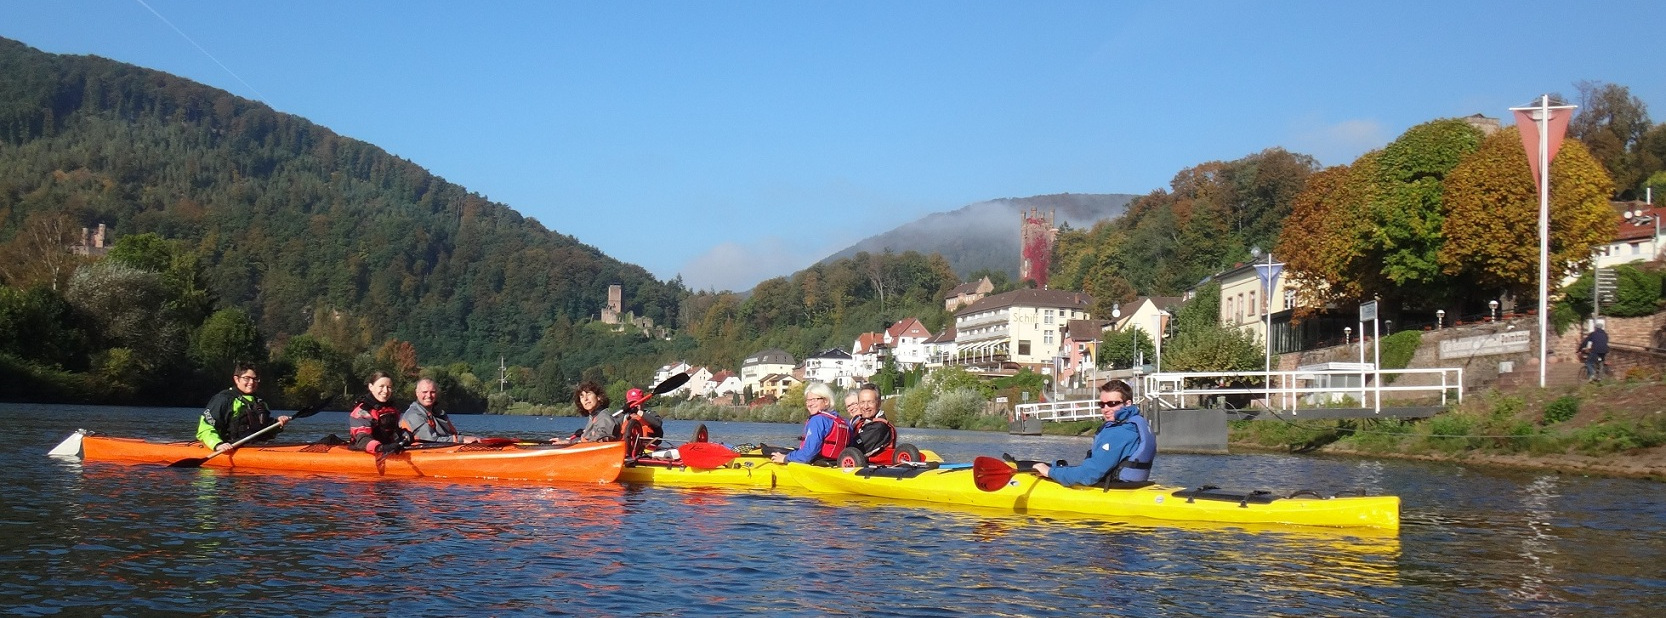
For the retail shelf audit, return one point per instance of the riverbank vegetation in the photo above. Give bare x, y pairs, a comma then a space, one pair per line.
1613, 429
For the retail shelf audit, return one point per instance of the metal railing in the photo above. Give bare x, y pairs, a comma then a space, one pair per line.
1288, 391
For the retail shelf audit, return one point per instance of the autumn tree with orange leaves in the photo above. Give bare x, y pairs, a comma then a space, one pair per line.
1492, 216
1440, 215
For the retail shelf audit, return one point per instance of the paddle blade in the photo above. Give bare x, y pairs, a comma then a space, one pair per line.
194, 462
706, 455
671, 383
314, 409
991, 474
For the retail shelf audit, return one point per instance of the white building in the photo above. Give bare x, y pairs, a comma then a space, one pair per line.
761, 364
835, 367
1020, 328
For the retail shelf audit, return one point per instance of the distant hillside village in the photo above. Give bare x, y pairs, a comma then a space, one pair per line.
1052, 332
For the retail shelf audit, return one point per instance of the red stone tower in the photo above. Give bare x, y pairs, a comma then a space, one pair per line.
1036, 236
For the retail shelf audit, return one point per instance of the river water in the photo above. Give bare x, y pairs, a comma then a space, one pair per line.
97, 538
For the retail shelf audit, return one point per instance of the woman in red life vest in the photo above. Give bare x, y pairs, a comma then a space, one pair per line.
825, 434
373, 425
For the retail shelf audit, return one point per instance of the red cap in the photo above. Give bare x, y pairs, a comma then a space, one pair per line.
635, 396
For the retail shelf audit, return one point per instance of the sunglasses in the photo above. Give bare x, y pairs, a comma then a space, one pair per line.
1111, 404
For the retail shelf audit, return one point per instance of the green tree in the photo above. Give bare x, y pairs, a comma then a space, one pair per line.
128, 308
1121, 348
1611, 122
38, 325
1408, 210
228, 336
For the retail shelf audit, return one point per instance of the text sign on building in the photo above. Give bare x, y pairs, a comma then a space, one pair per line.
1368, 311
1486, 345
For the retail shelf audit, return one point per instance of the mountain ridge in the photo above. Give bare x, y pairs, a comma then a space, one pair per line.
988, 231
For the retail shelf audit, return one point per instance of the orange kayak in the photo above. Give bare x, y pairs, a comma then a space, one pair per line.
590, 462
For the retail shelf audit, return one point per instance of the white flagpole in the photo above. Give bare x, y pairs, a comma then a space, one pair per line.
1544, 232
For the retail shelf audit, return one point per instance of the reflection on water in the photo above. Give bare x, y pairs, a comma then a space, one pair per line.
107, 538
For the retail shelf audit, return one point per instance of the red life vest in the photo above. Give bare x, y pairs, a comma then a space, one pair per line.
373, 420
880, 446
836, 439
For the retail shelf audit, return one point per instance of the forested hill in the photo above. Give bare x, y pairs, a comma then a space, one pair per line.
984, 236
290, 221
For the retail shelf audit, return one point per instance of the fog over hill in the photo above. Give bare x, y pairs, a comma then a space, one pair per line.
985, 234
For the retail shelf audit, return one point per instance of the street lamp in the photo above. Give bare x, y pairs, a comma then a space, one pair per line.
1347, 335
1388, 327
1493, 305
1440, 319
1159, 337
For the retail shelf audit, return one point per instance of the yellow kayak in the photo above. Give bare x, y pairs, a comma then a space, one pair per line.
744, 471
749, 469
1025, 493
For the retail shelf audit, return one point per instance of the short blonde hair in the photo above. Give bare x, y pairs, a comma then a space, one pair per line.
819, 389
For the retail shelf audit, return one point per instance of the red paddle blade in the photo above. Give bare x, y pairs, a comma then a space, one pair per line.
991, 474
705, 454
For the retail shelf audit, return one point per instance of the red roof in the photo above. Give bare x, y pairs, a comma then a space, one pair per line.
908, 327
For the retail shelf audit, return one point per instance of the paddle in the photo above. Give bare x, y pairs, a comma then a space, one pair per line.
197, 462
706, 455
991, 474
670, 384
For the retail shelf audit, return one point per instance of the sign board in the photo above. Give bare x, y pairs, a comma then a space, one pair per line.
1485, 345
1000, 400
1368, 311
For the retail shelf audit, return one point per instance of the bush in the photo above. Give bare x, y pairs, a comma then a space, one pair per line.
1561, 410
1451, 432
956, 409
1379, 435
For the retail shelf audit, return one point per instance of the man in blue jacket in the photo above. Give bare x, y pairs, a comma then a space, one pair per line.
1124, 448
1594, 347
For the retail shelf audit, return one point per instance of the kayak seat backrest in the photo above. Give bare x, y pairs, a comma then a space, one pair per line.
1110, 485
324, 444
891, 472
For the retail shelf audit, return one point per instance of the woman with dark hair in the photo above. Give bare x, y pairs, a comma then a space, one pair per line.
603, 426
373, 425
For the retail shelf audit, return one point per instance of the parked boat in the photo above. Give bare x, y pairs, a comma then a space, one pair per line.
590, 462
1025, 493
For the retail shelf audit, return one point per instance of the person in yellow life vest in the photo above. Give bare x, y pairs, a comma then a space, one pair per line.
237, 413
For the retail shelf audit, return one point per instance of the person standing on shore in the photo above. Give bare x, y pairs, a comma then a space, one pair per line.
1595, 348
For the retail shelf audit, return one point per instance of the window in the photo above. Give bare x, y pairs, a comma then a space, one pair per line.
1252, 306
1047, 316
1047, 338
1289, 299
1023, 347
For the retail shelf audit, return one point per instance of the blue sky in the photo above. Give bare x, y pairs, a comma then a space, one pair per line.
730, 142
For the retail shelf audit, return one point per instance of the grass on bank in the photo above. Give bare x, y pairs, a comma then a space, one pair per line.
1594, 420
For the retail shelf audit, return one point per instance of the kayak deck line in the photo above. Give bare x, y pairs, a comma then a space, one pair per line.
1026, 493
593, 462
